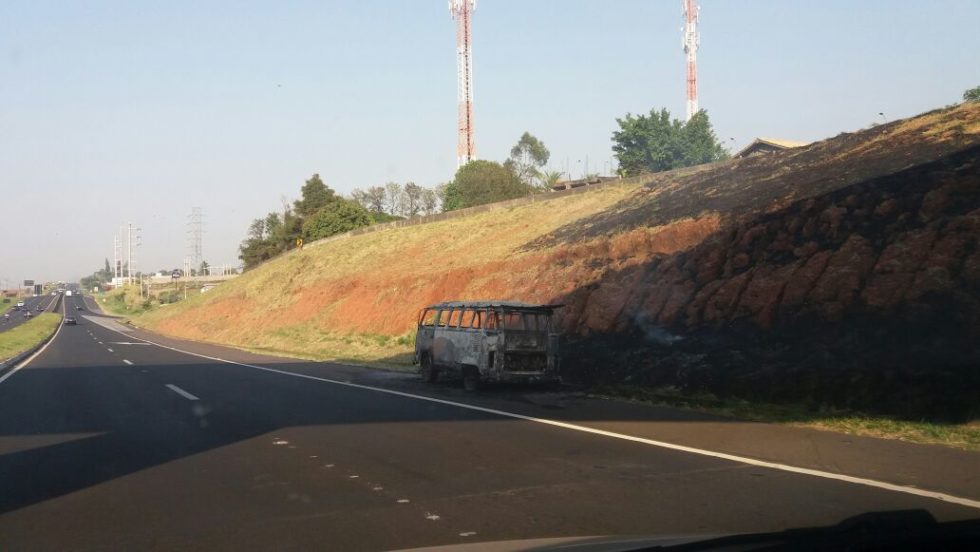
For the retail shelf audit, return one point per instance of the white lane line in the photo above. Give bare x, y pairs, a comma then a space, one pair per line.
127, 362
936, 495
110, 350
181, 392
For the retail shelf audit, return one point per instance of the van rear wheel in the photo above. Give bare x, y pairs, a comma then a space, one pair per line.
428, 371
471, 378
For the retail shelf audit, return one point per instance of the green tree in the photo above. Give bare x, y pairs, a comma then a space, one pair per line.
527, 157
337, 217
655, 142
256, 230
268, 237
972, 95
314, 195
449, 197
204, 268
699, 144
480, 182
550, 178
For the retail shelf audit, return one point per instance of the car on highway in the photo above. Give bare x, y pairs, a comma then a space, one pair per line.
70, 321
488, 341
20, 304
27, 314
79, 307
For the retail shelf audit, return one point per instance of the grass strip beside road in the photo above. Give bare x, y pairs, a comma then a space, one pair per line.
963, 435
21, 338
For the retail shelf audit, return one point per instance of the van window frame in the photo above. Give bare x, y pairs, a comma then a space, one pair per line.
425, 313
443, 317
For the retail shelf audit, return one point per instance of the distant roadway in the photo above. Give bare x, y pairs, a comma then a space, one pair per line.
107, 441
17, 317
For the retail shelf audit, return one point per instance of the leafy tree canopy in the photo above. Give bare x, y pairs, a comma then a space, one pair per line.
527, 158
972, 95
313, 196
339, 216
480, 182
655, 142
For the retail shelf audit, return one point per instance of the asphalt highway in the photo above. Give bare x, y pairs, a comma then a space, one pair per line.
107, 441
46, 302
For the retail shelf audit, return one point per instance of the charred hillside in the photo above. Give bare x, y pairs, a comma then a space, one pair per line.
864, 295
843, 273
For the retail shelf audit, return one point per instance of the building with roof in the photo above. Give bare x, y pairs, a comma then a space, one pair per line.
768, 145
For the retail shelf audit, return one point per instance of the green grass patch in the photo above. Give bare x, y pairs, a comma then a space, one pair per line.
965, 436
21, 338
126, 300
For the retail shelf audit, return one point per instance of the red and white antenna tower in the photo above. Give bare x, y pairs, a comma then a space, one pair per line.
691, 42
462, 12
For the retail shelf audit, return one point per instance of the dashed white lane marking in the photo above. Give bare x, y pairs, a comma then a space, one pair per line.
915, 491
353, 476
181, 392
100, 343
467, 533
127, 362
403, 501
110, 350
280, 442
377, 488
328, 465
431, 517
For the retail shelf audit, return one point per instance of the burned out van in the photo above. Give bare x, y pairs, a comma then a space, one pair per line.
488, 342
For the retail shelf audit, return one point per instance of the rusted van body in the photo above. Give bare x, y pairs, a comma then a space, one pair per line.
487, 341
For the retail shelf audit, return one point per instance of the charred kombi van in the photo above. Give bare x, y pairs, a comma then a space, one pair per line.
488, 342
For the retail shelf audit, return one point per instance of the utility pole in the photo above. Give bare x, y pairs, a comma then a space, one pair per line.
691, 42
195, 236
131, 262
129, 253
462, 12
115, 258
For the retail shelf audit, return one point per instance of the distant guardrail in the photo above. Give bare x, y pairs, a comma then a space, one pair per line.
196, 279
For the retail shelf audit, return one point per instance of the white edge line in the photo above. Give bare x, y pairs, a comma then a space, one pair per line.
128, 362
28, 360
181, 392
943, 497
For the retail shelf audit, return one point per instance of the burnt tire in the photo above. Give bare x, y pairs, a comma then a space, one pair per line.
428, 371
471, 378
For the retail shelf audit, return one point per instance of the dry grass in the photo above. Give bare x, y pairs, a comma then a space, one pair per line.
21, 338
963, 436
350, 298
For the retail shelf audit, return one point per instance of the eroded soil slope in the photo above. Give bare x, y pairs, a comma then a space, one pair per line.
846, 272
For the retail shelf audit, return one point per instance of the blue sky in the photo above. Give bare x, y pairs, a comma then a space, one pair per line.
119, 111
